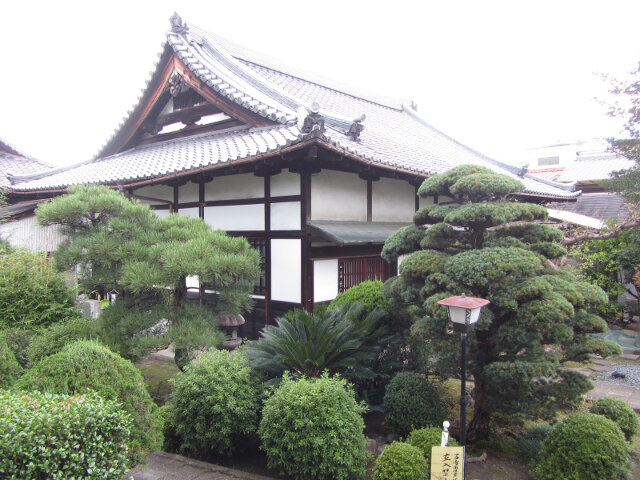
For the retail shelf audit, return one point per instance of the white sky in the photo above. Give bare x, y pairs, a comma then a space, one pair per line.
499, 76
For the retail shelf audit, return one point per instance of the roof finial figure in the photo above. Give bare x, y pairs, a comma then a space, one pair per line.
177, 25
356, 127
310, 119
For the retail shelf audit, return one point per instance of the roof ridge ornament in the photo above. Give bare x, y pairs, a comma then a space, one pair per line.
310, 118
177, 25
356, 127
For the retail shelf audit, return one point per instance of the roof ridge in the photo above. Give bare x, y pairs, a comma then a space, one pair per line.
249, 55
322, 85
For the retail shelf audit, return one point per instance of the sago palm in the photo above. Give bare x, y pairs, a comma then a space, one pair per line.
340, 340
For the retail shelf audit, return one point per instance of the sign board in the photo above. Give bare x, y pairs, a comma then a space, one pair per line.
447, 463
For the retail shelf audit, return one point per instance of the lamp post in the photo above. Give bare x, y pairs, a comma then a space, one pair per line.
464, 313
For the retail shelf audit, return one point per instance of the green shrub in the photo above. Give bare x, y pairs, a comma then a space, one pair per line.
410, 401
368, 293
45, 436
32, 294
86, 365
312, 428
215, 404
584, 446
55, 337
400, 461
618, 411
530, 442
10, 369
427, 437
19, 340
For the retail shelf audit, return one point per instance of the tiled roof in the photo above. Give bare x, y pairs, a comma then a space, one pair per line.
394, 134
585, 168
595, 167
13, 162
596, 205
166, 158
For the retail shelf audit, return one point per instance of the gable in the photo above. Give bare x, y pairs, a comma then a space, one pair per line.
177, 104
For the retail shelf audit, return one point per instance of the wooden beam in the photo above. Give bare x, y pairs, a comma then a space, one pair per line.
187, 115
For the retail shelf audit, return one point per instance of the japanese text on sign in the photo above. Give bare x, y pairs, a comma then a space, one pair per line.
447, 463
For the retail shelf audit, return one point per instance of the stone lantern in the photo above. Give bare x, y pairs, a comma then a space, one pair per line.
229, 324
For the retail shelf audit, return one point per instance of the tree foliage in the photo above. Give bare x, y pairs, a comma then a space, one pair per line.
627, 106
120, 244
32, 293
485, 246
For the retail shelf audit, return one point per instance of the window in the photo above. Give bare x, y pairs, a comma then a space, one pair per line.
260, 245
548, 161
352, 271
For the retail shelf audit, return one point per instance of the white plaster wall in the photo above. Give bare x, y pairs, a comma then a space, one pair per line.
325, 280
425, 201
164, 192
232, 187
235, 217
286, 270
190, 212
285, 216
338, 196
392, 201
189, 192
162, 213
28, 233
285, 183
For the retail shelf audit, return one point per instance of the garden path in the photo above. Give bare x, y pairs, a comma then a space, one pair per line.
167, 466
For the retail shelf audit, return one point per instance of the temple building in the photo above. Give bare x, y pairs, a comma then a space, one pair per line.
314, 174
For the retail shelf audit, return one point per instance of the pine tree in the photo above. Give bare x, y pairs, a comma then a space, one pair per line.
484, 246
120, 244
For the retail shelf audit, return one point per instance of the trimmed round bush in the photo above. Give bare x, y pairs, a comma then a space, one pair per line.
10, 369
215, 404
618, 411
312, 428
86, 365
427, 437
530, 442
410, 402
367, 293
61, 436
32, 293
400, 461
585, 446
55, 337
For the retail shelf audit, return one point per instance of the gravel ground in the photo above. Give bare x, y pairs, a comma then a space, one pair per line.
631, 372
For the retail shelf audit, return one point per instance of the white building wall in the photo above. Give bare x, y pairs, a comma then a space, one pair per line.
285, 183
338, 196
163, 192
425, 201
190, 212
285, 216
27, 233
392, 201
233, 187
235, 217
189, 192
325, 280
286, 270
